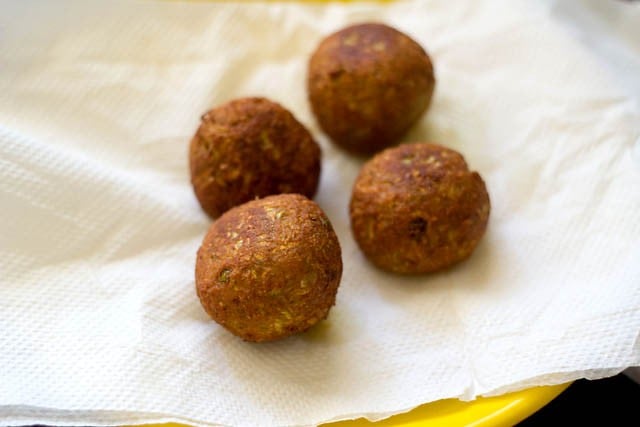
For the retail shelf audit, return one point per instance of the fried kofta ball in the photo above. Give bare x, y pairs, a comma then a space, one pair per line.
417, 208
269, 268
367, 85
248, 148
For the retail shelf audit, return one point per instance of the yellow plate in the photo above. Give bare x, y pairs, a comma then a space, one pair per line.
499, 411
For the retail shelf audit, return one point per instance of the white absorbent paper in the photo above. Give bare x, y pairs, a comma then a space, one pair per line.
99, 319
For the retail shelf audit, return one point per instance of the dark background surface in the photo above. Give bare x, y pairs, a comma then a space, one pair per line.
613, 401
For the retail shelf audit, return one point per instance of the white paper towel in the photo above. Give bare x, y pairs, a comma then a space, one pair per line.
99, 320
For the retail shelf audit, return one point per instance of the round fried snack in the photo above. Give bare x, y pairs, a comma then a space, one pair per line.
368, 84
248, 148
417, 208
269, 268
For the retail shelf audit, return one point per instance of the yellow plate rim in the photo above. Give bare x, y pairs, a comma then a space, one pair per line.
498, 411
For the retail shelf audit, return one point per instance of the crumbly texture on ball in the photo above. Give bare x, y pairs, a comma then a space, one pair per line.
368, 84
269, 268
417, 208
248, 148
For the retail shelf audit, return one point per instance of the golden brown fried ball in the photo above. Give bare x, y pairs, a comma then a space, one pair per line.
248, 148
417, 208
269, 268
368, 84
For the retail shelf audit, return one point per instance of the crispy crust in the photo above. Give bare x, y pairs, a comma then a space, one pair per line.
269, 268
417, 208
368, 84
248, 148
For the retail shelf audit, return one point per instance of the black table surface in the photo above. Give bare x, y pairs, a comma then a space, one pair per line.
613, 401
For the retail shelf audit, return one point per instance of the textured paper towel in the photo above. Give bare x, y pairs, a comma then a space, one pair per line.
99, 319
